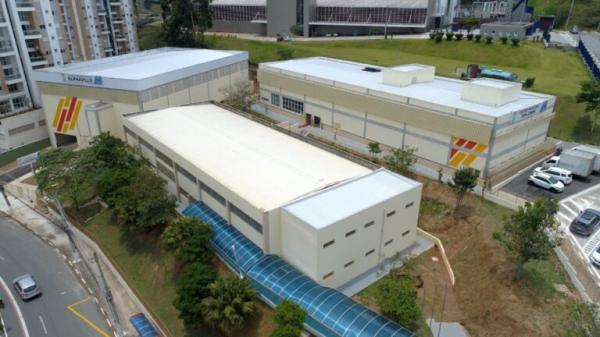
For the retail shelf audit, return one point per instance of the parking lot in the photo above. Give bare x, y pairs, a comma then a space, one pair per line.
519, 186
569, 209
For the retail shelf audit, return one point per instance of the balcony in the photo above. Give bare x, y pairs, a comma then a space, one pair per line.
32, 33
24, 5
12, 77
6, 49
117, 19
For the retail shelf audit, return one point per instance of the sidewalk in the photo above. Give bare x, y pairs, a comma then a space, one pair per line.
46, 225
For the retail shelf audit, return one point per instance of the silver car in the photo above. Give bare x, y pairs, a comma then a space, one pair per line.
26, 287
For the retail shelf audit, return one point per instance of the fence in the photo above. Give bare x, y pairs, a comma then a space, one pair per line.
584, 274
440, 246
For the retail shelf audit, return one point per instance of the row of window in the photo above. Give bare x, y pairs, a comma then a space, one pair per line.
372, 15
367, 225
238, 13
293, 105
368, 253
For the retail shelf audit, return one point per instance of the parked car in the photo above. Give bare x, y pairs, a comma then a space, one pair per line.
26, 287
546, 181
564, 176
586, 223
595, 258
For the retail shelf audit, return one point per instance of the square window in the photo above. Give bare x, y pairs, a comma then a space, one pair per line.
391, 213
328, 275
350, 233
406, 233
370, 252
410, 204
369, 224
388, 242
329, 243
349, 264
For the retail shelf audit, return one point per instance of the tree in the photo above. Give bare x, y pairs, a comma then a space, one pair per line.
401, 160
289, 313
144, 203
191, 288
374, 148
397, 298
504, 39
230, 304
183, 19
580, 320
109, 152
463, 181
489, 39
531, 232
110, 183
188, 238
239, 95
64, 172
590, 95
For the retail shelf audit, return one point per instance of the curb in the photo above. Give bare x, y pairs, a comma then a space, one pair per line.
24, 331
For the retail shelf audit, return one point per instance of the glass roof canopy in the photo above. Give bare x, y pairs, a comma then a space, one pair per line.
330, 313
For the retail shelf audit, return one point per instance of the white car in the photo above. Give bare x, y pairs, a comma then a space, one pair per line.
546, 181
564, 176
595, 258
552, 162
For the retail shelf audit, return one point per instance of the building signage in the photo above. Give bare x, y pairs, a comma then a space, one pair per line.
528, 112
67, 113
28, 159
83, 79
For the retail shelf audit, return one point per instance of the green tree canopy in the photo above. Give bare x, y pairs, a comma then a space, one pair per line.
397, 298
590, 96
191, 288
531, 232
144, 203
230, 304
189, 239
286, 331
401, 160
109, 152
580, 320
463, 181
289, 313
182, 19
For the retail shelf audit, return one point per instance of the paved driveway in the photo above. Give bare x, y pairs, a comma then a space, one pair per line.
569, 208
65, 308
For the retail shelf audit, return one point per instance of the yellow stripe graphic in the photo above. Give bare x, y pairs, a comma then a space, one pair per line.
59, 108
76, 114
457, 159
469, 160
480, 148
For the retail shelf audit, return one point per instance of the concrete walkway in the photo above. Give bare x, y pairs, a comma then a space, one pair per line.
446, 329
47, 225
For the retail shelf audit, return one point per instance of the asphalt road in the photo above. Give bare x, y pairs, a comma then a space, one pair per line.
14, 174
65, 309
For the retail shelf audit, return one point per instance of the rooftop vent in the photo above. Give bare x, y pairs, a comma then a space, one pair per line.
408, 74
372, 70
491, 92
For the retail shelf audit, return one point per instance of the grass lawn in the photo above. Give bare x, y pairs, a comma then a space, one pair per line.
152, 274
557, 72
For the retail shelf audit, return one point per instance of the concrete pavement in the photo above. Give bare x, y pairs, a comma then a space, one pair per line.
65, 309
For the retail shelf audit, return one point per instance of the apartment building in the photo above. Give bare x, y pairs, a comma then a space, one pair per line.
36, 34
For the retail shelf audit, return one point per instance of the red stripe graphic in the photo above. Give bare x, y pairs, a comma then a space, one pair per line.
71, 108
61, 122
460, 142
470, 145
453, 152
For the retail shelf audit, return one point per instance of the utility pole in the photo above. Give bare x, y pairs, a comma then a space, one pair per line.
569, 16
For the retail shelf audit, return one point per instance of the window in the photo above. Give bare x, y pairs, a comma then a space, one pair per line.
329, 243
328, 275
186, 174
246, 218
293, 105
352, 232
164, 170
213, 194
164, 158
349, 264
410, 204
406, 233
388, 242
369, 224
42, 122
370, 252
146, 144
20, 129
391, 213
275, 99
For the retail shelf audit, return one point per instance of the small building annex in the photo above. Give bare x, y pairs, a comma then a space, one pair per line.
81, 100
331, 218
490, 125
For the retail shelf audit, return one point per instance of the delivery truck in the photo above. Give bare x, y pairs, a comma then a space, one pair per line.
579, 163
591, 150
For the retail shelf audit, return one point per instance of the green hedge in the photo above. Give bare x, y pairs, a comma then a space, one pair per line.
12, 155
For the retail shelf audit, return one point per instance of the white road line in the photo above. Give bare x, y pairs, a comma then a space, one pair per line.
43, 325
15, 307
564, 217
569, 209
76, 271
108, 322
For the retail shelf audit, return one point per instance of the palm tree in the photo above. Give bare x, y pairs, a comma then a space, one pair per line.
229, 305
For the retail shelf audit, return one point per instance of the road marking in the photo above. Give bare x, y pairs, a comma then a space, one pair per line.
72, 309
43, 325
24, 331
64, 292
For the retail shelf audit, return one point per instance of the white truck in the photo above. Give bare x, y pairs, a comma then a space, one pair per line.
591, 150
579, 163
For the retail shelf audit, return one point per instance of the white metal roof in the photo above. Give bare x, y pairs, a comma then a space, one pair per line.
142, 70
374, 3
238, 2
343, 200
442, 91
262, 166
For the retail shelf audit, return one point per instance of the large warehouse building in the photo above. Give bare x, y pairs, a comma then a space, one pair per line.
83, 99
486, 124
332, 219
330, 17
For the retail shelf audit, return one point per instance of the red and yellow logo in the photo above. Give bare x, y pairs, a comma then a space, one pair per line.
460, 158
67, 112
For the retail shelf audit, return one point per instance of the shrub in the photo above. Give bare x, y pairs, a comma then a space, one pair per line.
515, 42
449, 36
191, 288
529, 81
470, 36
477, 38
432, 36
459, 36
397, 298
504, 39
489, 39
439, 37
